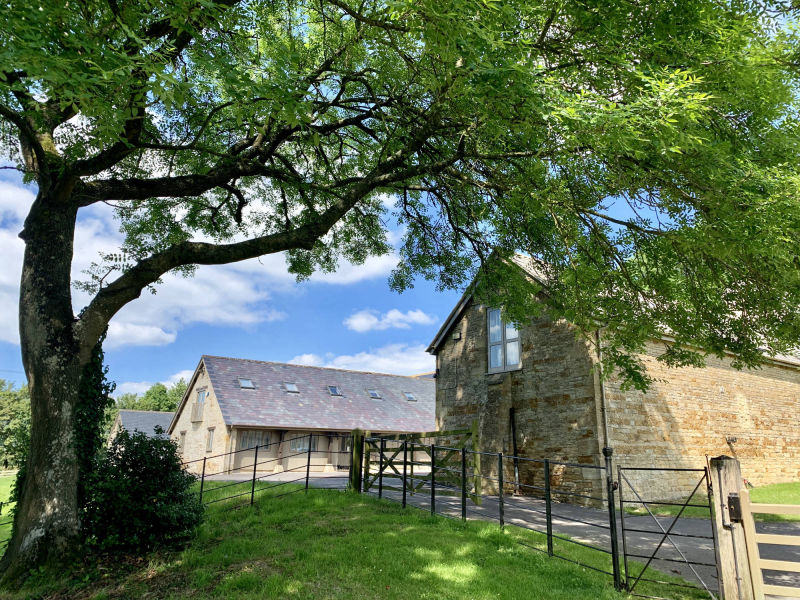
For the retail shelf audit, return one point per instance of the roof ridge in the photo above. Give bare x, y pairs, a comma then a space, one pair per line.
272, 362
153, 412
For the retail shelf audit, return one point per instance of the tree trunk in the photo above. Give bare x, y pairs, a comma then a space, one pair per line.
46, 520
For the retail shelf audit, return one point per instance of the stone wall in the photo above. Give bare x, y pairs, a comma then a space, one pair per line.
553, 396
194, 446
688, 413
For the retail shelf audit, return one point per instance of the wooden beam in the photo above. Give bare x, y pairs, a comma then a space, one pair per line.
733, 566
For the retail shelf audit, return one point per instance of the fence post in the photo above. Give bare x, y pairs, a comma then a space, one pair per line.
356, 458
308, 460
500, 507
381, 449
405, 464
463, 484
732, 565
622, 522
202, 479
612, 517
253, 489
433, 479
547, 507
412, 467
365, 459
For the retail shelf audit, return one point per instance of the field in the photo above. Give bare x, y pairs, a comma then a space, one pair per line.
335, 545
5, 513
779, 493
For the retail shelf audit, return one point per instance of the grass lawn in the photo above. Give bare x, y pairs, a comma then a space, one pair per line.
778, 493
5, 515
335, 545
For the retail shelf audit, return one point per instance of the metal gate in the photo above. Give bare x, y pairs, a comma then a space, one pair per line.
674, 535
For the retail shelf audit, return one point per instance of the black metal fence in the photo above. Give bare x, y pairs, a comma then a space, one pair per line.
259, 475
557, 499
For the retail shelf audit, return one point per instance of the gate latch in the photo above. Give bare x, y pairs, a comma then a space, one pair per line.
734, 507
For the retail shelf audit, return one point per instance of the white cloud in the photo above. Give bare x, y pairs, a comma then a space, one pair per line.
132, 387
140, 387
15, 202
372, 320
399, 359
186, 375
235, 295
129, 334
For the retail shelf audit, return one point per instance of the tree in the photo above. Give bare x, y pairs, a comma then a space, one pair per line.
15, 419
158, 397
223, 130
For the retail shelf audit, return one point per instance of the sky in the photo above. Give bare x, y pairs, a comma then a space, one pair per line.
253, 309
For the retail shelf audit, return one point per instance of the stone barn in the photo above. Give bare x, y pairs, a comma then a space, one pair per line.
534, 388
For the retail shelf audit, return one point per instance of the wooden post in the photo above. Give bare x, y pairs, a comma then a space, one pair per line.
735, 581
357, 454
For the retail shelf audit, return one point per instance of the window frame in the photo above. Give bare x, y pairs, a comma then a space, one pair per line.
410, 397
288, 390
181, 442
295, 443
502, 343
210, 439
374, 394
252, 385
248, 439
202, 394
334, 387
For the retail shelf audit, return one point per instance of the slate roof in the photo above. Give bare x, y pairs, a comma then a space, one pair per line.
313, 407
145, 421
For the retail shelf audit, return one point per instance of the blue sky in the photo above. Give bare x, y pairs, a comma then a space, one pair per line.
253, 309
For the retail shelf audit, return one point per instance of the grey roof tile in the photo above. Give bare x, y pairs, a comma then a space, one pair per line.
145, 421
270, 405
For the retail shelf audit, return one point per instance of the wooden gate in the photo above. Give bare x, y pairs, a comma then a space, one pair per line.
752, 539
384, 459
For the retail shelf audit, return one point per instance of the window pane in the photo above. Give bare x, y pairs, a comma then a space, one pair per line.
511, 332
512, 353
495, 326
210, 440
495, 357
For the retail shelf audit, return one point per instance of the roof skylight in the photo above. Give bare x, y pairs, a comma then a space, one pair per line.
410, 397
374, 394
334, 390
246, 384
291, 388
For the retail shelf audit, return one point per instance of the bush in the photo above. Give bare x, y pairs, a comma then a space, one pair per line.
138, 495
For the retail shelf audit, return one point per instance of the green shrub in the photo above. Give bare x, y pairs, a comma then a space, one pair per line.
138, 495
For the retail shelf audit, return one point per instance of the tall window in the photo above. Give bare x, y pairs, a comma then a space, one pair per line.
182, 442
503, 343
210, 440
201, 396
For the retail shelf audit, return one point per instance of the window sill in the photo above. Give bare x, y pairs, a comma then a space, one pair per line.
501, 371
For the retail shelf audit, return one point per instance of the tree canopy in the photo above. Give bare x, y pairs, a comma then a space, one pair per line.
645, 153
492, 126
158, 397
15, 423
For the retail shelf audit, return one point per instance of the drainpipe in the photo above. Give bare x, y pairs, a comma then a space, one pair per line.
606, 441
